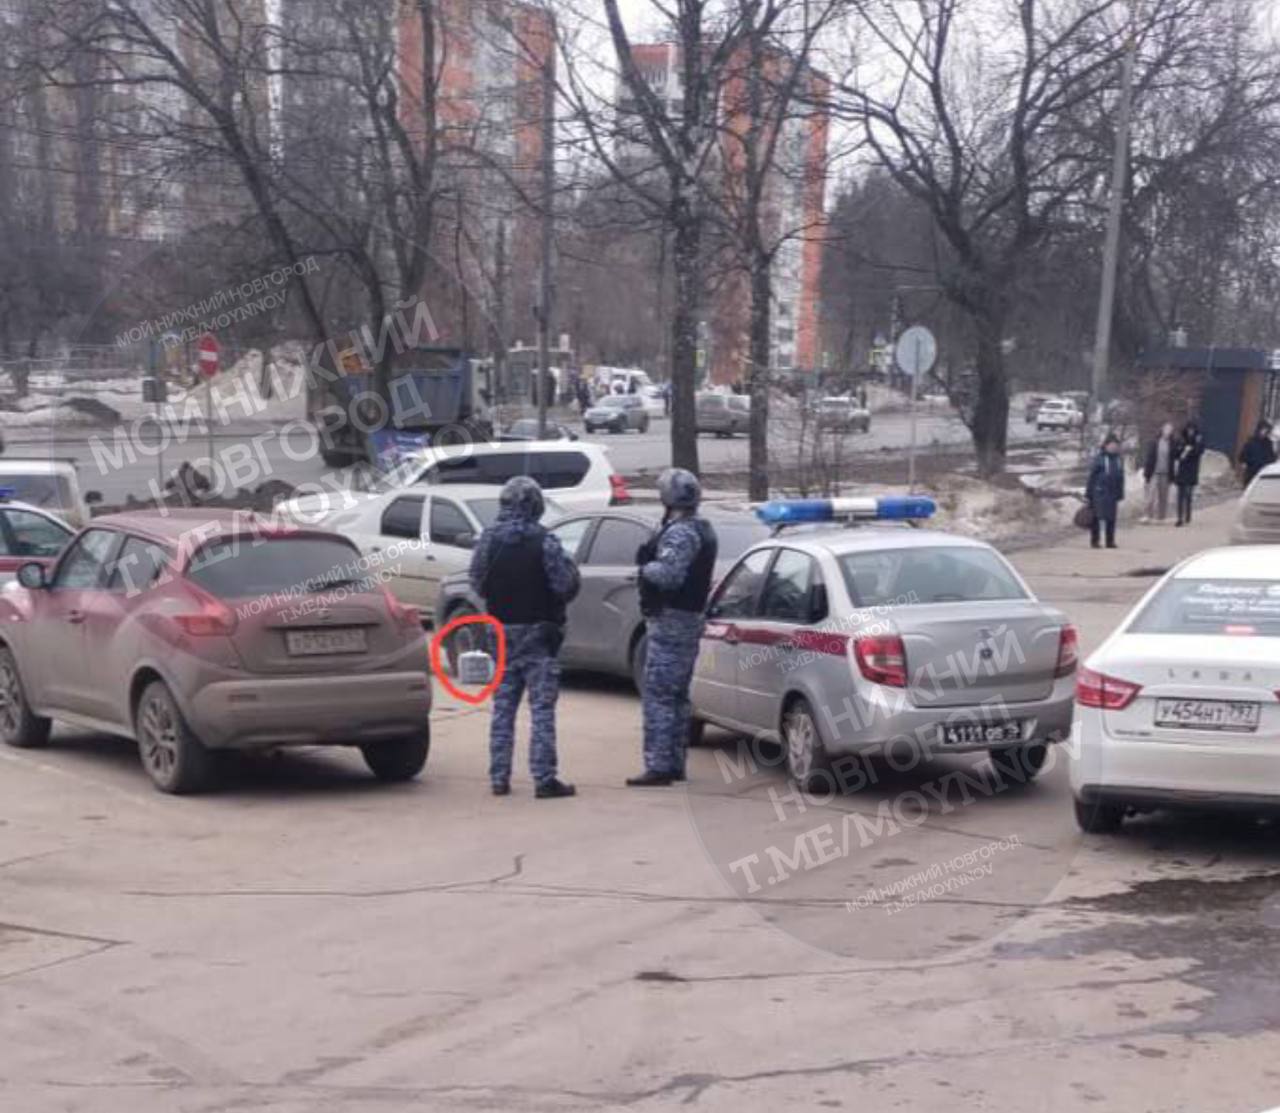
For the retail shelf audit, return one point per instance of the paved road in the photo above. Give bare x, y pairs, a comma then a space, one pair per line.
117, 463
306, 941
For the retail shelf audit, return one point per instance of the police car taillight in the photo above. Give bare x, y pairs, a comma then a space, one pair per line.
882, 659
883, 508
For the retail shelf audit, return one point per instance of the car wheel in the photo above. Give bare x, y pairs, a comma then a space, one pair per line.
19, 725
174, 758
401, 760
697, 731
1022, 763
644, 425
807, 760
1098, 818
639, 655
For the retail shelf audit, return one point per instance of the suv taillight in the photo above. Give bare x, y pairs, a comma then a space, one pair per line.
882, 659
1095, 689
404, 615
210, 618
1068, 651
619, 495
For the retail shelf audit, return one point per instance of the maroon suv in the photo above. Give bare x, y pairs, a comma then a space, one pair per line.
195, 631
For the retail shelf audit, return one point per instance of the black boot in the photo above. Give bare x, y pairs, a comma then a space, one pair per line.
553, 789
650, 780
502, 788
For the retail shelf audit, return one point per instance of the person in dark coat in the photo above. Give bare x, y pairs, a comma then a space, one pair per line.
1259, 451
1105, 491
1186, 468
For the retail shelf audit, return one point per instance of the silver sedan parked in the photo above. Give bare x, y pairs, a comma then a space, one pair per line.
881, 638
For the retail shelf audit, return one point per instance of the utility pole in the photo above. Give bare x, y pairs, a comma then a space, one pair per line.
1115, 207
548, 237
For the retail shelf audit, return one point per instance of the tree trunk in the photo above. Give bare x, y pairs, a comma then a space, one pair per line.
990, 422
758, 381
684, 338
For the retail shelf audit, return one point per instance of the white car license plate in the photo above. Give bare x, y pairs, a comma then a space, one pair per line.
1208, 714
316, 643
981, 734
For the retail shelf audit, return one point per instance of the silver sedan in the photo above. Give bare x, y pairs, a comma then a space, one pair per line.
883, 639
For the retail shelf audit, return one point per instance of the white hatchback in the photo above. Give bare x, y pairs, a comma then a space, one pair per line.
1179, 705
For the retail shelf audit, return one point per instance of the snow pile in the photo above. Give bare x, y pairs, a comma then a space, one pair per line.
63, 415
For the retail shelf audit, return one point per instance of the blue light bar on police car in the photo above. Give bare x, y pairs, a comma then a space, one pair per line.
884, 508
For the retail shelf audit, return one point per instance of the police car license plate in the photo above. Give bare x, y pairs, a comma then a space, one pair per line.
316, 643
982, 734
1208, 714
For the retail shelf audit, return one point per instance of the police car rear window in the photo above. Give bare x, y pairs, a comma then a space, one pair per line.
906, 577
1241, 608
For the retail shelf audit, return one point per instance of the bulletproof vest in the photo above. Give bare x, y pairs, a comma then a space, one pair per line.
692, 594
516, 588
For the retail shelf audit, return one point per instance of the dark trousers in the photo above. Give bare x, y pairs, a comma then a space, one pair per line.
1097, 528
1184, 502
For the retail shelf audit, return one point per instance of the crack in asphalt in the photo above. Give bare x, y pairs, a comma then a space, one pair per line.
517, 868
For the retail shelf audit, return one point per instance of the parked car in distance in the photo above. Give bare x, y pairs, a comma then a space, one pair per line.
872, 620
605, 630
49, 484
1034, 402
1178, 706
654, 404
578, 476
1257, 520
841, 413
28, 533
722, 414
616, 413
194, 631
1059, 413
416, 536
526, 429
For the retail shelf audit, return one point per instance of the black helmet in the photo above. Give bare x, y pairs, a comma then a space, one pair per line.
679, 489
522, 497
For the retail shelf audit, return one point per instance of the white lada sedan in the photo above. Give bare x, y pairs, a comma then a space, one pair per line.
1179, 705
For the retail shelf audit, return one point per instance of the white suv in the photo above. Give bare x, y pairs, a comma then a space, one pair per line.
1059, 413
576, 474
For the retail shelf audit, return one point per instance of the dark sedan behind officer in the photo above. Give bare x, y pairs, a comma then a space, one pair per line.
526, 579
676, 566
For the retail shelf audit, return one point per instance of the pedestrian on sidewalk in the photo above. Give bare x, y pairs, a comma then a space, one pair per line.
1186, 468
675, 570
1157, 470
526, 580
1105, 491
1259, 451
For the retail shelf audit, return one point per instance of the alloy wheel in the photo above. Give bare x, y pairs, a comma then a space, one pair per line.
11, 702
158, 738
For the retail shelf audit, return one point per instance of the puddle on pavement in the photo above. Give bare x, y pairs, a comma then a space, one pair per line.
1229, 930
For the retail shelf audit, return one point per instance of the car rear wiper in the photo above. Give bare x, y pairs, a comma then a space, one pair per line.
332, 585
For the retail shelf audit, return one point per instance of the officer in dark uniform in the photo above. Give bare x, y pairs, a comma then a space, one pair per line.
675, 570
526, 579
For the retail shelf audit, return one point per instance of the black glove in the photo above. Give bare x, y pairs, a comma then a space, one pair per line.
552, 636
647, 552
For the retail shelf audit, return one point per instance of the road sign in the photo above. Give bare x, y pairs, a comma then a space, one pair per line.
916, 351
208, 355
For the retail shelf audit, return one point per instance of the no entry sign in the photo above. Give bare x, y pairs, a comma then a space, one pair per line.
208, 355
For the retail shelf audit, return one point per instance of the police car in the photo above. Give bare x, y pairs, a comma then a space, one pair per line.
848, 632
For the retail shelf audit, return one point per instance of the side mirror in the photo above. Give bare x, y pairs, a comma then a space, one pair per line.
31, 576
465, 540
92, 498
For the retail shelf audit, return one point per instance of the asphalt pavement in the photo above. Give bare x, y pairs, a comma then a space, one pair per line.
307, 940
